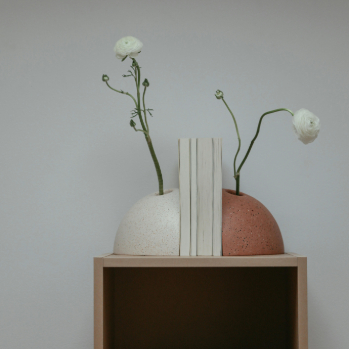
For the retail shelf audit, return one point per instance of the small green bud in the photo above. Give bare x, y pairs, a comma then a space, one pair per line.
219, 94
132, 123
105, 77
145, 83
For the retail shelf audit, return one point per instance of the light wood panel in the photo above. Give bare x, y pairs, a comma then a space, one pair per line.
98, 303
171, 301
302, 303
99, 306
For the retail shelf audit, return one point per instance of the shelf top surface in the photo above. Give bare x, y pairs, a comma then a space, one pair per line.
280, 260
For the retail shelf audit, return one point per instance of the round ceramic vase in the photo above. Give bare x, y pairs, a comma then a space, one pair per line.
248, 228
151, 226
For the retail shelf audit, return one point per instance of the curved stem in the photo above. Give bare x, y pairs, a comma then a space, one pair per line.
122, 92
258, 128
237, 131
139, 130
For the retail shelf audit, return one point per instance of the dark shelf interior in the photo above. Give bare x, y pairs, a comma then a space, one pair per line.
206, 308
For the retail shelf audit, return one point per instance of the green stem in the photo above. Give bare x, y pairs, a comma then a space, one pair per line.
146, 135
237, 179
139, 130
135, 74
138, 79
157, 165
258, 128
122, 92
237, 131
145, 112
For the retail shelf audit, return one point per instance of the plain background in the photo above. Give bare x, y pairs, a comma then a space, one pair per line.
71, 166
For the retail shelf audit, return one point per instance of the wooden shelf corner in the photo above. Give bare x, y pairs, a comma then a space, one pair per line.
245, 302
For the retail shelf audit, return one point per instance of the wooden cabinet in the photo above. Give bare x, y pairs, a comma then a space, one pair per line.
249, 302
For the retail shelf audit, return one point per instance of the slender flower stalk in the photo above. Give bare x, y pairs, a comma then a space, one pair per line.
147, 136
129, 47
237, 132
105, 78
257, 132
305, 123
145, 84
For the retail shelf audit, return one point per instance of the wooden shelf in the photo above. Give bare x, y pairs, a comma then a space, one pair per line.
247, 302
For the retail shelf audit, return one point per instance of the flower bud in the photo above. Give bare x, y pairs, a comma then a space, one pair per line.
105, 77
219, 94
145, 83
132, 123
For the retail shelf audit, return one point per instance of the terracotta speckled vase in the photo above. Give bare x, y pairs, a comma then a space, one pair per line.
248, 227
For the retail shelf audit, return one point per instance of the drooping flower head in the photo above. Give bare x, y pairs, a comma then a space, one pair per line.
306, 125
127, 46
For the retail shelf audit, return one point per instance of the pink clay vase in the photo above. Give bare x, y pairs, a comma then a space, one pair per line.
248, 228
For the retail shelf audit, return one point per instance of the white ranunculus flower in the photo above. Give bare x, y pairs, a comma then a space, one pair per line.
306, 125
127, 46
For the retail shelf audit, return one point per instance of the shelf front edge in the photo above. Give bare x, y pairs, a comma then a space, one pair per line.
123, 261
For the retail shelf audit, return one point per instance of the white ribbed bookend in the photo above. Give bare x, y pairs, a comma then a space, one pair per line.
200, 195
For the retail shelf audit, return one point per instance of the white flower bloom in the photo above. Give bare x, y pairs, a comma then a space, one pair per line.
306, 125
127, 46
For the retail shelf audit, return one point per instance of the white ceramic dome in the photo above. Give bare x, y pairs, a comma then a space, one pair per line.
151, 226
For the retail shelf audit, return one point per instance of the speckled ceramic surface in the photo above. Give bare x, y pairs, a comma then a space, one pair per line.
151, 226
248, 227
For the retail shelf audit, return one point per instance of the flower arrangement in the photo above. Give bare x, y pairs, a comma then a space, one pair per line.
131, 47
305, 124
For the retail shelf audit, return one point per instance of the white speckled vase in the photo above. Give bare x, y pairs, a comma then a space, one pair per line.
151, 226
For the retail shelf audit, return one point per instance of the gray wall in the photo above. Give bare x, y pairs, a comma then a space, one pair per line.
71, 166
